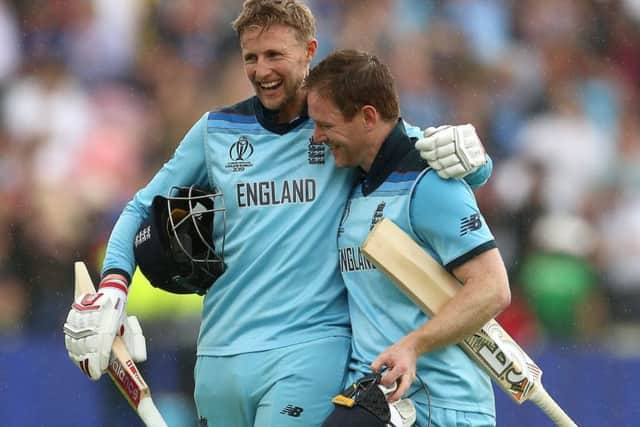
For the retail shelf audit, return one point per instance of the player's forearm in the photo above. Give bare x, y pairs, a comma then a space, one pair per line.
484, 295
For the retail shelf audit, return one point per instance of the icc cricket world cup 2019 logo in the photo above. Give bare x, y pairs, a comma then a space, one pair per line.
239, 154
241, 150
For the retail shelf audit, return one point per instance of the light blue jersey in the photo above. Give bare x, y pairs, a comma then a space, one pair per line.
443, 217
282, 292
284, 197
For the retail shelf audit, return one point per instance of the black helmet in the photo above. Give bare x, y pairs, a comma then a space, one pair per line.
174, 247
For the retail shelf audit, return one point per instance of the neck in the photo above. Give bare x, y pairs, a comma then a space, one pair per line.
291, 110
377, 137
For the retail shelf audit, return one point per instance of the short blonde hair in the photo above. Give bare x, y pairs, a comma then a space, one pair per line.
264, 13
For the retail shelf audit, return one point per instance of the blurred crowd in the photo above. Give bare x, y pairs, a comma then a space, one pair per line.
96, 94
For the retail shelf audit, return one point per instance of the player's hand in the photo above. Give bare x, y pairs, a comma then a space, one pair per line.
92, 324
400, 360
452, 151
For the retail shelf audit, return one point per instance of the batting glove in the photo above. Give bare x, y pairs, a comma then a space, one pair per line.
134, 340
452, 151
403, 411
92, 324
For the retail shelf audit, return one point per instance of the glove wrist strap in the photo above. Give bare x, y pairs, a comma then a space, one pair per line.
118, 284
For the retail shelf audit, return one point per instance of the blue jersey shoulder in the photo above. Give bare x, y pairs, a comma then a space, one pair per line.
241, 112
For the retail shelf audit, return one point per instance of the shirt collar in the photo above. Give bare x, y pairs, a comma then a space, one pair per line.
269, 118
394, 148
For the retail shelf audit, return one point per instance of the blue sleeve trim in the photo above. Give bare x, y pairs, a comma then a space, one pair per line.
469, 255
231, 117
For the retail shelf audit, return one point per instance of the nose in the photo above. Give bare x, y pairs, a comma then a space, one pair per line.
262, 68
318, 136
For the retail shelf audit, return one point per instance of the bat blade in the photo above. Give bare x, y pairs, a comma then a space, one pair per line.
430, 287
122, 370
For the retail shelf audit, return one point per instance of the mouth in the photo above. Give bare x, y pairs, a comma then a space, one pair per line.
268, 87
331, 144
335, 148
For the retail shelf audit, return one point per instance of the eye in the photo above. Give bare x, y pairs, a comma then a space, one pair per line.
249, 59
273, 54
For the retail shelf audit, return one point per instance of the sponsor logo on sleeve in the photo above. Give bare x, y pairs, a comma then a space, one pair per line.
469, 224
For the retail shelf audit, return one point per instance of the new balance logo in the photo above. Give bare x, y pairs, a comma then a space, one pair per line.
292, 411
469, 224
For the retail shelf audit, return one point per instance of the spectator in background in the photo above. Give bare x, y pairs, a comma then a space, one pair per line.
9, 46
559, 281
614, 212
576, 155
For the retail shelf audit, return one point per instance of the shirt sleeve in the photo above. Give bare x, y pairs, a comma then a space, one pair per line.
186, 167
445, 216
479, 177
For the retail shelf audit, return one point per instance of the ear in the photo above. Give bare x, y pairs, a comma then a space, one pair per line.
369, 116
312, 49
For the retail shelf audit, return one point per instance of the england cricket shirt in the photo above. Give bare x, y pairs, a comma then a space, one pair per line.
442, 216
283, 197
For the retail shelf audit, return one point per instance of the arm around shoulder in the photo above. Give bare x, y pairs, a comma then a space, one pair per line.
456, 152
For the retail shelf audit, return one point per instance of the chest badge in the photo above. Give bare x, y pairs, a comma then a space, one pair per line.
239, 154
316, 153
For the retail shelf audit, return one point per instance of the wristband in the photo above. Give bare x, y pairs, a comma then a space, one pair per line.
119, 284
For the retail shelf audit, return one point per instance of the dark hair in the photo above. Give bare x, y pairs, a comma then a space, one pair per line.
264, 13
353, 79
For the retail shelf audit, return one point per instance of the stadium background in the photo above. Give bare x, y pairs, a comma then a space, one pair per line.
94, 96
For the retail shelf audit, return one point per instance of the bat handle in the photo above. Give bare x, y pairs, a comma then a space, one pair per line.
541, 398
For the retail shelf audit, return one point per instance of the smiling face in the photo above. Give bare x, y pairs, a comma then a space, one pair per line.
347, 139
276, 63
353, 101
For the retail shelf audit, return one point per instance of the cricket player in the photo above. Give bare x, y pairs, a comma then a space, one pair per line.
354, 104
275, 335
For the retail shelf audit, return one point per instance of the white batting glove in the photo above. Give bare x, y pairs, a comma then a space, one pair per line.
92, 324
134, 340
452, 151
403, 413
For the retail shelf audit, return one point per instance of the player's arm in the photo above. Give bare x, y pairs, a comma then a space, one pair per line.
187, 167
485, 294
486, 289
95, 318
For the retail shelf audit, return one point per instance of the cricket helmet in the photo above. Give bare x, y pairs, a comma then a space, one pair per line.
174, 246
364, 404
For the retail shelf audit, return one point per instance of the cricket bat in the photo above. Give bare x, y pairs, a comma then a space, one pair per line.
122, 370
430, 286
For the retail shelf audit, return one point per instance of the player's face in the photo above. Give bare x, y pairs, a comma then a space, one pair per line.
346, 139
276, 63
